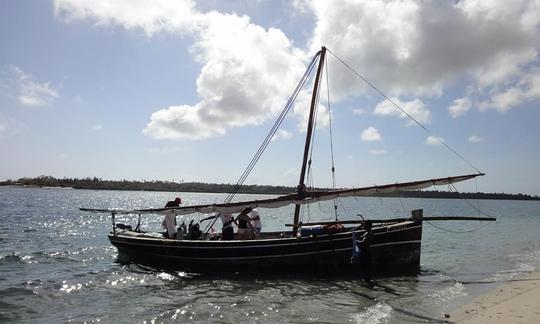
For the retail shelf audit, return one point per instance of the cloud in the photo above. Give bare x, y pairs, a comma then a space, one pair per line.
149, 16
359, 111
247, 71
377, 152
459, 107
407, 48
371, 134
301, 111
475, 139
525, 90
281, 134
27, 90
414, 108
434, 141
97, 127
166, 149
420, 47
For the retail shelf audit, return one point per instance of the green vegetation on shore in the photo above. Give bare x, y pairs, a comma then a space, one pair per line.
99, 184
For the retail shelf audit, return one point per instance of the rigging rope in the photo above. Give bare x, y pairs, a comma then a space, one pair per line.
403, 111
457, 232
269, 136
331, 137
468, 202
273, 130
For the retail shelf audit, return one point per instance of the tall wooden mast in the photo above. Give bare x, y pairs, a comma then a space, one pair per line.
301, 185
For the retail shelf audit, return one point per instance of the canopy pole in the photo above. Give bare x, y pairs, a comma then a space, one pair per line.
113, 223
301, 185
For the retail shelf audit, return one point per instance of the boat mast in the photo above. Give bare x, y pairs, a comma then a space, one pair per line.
301, 185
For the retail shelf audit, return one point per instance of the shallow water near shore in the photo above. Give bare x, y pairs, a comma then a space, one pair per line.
57, 265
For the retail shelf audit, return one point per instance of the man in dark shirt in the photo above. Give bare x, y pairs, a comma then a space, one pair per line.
174, 203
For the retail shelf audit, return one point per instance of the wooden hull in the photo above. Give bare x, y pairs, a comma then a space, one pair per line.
395, 247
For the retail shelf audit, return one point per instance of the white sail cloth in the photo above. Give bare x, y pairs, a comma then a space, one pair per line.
293, 199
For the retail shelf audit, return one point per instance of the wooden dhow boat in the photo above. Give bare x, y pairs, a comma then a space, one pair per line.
395, 244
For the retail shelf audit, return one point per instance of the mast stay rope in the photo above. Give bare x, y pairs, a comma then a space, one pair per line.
404, 111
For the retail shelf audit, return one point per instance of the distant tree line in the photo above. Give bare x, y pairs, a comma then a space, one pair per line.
100, 184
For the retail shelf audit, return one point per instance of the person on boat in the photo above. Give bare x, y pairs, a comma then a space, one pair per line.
227, 231
362, 247
255, 216
245, 229
169, 222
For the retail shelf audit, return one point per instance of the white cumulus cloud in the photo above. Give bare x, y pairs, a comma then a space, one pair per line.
415, 108
420, 47
407, 48
26, 89
475, 139
282, 134
377, 152
459, 107
247, 71
434, 141
526, 90
371, 134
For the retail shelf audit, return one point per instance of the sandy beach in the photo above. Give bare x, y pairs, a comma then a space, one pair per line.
517, 301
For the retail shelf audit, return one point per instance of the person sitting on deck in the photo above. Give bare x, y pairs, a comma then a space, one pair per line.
245, 229
255, 216
169, 222
227, 231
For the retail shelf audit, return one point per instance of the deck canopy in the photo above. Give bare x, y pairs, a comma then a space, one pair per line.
304, 198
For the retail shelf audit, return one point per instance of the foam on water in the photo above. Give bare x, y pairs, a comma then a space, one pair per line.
376, 314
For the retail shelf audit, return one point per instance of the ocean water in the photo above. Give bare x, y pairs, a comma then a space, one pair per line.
57, 265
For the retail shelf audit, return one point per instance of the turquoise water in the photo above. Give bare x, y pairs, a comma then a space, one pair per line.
57, 265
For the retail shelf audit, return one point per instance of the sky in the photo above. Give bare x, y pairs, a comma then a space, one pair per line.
187, 90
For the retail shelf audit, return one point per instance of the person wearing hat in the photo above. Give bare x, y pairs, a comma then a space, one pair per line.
169, 222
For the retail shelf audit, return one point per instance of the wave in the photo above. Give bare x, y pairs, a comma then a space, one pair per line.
378, 313
14, 258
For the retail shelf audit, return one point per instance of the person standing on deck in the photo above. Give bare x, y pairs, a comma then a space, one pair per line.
362, 247
169, 222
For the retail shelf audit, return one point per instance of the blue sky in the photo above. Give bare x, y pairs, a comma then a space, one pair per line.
163, 90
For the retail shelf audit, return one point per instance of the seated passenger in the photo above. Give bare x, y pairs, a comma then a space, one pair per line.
245, 229
256, 221
227, 230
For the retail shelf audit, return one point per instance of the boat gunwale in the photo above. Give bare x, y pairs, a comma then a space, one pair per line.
273, 242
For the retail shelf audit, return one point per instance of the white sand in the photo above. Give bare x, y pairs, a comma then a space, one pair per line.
517, 301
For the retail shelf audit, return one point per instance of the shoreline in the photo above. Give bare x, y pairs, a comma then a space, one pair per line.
407, 194
516, 301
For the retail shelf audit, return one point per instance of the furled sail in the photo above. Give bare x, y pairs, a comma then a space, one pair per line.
303, 198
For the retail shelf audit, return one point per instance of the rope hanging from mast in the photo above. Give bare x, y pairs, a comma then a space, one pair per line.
331, 136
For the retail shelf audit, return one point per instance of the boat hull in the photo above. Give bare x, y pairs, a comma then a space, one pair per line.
394, 247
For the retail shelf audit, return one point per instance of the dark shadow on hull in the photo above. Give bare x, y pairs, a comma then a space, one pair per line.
314, 271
